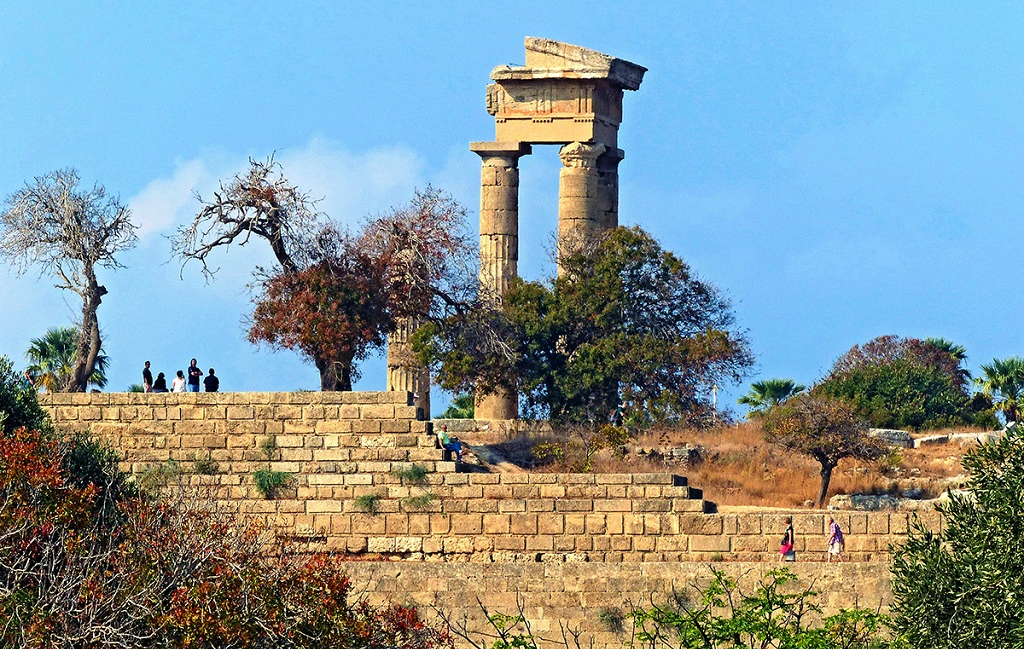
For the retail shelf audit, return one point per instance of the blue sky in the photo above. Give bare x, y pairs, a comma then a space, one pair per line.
841, 171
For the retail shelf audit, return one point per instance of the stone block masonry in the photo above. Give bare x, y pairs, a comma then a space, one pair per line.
568, 544
345, 454
579, 595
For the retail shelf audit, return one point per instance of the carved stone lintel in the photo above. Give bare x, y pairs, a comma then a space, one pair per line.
580, 155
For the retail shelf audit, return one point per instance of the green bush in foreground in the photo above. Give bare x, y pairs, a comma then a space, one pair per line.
964, 586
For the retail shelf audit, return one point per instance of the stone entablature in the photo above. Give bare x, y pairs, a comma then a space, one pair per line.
564, 93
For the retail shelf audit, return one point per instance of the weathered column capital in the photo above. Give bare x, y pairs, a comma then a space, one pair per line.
505, 154
580, 155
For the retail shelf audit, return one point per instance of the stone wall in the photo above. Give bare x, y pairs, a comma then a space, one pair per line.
345, 454
567, 544
580, 595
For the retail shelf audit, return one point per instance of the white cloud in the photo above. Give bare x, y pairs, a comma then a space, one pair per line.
350, 185
166, 202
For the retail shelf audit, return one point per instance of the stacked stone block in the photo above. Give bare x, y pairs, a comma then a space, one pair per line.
341, 449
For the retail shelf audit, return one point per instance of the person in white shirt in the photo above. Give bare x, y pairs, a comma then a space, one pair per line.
178, 384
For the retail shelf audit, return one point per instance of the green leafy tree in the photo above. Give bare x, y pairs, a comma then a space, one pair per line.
463, 406
53, 360
770, 392
964, 586
626, 324
1003, 381
823, 427
19, 407
898, 382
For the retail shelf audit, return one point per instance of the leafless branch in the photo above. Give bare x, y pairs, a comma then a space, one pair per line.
258, 202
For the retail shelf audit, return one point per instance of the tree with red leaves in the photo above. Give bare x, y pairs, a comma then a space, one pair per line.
414, 262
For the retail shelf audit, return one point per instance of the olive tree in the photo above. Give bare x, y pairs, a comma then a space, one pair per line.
823, 427
69, 233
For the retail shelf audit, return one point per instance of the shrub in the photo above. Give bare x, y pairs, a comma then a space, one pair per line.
173, 575
369, 503
19, 406
964, 586
269, 483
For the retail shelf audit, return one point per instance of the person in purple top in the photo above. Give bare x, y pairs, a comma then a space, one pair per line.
836, 542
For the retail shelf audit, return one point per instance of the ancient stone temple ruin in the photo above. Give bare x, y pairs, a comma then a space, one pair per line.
567, 95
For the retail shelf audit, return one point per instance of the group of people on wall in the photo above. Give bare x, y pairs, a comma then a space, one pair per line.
180, 383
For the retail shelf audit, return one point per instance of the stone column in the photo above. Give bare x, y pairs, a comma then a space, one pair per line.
499, 241
405, 374
608, 188
580, 213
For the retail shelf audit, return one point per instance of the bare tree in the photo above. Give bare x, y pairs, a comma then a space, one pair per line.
258, 202
68, 233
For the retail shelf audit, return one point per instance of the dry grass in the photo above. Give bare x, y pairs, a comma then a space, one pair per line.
740, 468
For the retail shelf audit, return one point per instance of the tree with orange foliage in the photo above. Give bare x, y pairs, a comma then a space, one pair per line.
414, 262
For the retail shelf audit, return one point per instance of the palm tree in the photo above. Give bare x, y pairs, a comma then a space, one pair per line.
957, 352
770, 392
462, 407
52, 359
1003, 380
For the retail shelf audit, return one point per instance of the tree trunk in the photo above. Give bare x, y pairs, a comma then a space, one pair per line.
335, 375
826, 478
88, 337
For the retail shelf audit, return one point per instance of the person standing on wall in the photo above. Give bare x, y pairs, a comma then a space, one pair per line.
193, 376
147, 379
211, 383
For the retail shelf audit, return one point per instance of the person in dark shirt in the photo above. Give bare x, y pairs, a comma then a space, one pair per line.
147, 379
211, 382
193, 376
160, 385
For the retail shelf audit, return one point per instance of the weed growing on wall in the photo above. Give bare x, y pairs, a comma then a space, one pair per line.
368, 503
421, 501
269, 483
204, 465
776, 614
159, 475
412, 474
